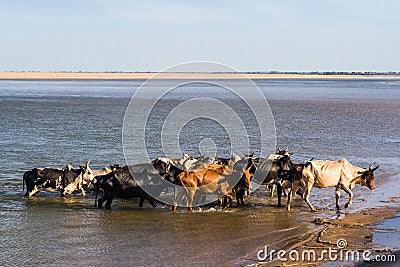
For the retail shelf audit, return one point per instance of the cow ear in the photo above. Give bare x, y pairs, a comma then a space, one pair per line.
81, 166
290, 153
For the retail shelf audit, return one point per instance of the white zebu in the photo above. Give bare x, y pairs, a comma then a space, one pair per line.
340, 174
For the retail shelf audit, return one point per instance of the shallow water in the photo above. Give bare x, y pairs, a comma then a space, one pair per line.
51, 123
388, 234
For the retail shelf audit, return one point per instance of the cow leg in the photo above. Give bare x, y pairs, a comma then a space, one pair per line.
284, 187
174, 207
220, 202
295, 186
223, 203
289, 199
228, 202
242, 197
348, 191
279, 190
228, 198
141, 201
306, 194
199, 197
83, 192
238, 196
108, 202
101, 201
151, 201
337, 194
272, 186
190, 195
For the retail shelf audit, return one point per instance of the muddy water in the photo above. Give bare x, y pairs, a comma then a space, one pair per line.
50, 123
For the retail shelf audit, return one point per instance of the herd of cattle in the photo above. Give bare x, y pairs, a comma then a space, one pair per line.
199, 177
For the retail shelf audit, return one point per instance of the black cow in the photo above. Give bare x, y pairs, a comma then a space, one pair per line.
36, 179
50, 179
121, 184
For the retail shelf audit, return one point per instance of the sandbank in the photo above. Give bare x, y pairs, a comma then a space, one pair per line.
357, 229
146, 75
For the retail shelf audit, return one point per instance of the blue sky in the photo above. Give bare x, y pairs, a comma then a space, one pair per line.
122, 35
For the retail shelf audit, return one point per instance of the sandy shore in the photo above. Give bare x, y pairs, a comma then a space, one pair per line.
357, 229
147, 75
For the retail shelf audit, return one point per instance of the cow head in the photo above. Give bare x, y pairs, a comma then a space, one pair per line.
284, 152
248, 155
87, 174
367, 177
235, 158
30, 179
106, 181
285, 163
188, 162
68, 167
160, 166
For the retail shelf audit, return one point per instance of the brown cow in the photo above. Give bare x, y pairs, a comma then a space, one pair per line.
208, 181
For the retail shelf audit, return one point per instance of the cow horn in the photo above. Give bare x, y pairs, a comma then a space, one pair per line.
87, 163
372, 165
374, 169
279, 149
69, 167
286, 149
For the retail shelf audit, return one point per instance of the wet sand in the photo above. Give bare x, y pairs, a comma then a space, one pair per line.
147, 75
357, 229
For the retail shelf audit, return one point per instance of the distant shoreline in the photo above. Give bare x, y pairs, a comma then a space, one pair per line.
197, 75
